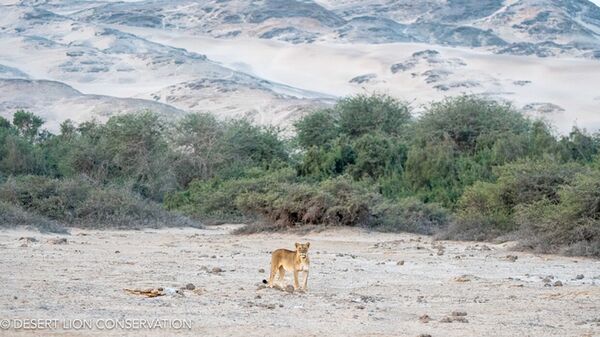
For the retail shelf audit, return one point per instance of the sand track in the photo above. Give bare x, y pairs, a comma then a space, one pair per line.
357, 286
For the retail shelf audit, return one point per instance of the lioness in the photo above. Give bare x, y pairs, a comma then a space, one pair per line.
283, 260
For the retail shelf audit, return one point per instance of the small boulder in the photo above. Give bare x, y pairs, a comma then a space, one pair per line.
190, 286
58, 241
28, 239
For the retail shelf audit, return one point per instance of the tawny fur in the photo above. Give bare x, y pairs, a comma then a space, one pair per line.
297, 261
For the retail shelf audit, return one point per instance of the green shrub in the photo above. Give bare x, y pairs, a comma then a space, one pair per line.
199, 146
316, 129
27, 124
79, 202
482, 214
579, 146
12, 216
571, 225
470, 122
252, 145
336, 202
375, 156
431, 172
362, 114
485, 210
216, 200
326, 162
409, 215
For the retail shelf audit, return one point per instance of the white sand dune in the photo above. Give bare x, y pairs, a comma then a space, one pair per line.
569, 83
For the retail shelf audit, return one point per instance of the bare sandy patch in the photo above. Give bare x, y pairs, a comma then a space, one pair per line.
361, 284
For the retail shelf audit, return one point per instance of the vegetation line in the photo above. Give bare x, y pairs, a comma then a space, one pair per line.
468, 168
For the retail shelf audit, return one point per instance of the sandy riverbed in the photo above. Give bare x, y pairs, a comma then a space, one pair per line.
357, 285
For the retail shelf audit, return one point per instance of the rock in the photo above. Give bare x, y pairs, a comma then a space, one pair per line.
512, 258
579, 277
117, 252
452, 319
289, 288
213, 257
424, 335
216, 270
261, 270
459, 313
363, 78
424, 318
558, 284
440, 252
28, 239
400, 263
546, 279
463, 278
190, 286
58, 241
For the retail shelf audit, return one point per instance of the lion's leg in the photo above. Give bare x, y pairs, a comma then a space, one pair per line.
282, 276
296, 279
305, 280
272, 276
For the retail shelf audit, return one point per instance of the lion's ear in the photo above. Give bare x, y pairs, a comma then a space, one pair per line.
307, 244
297, 244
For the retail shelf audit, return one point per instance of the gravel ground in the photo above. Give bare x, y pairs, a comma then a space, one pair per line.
361, 284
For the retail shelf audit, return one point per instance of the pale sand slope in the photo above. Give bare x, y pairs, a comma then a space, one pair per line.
328, 67
356, 287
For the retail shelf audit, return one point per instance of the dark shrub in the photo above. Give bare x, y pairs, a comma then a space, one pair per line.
485, 210
80, 202
12, 216
571, 225
409, 215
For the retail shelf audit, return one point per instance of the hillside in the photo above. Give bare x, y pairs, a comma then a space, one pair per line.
274, 60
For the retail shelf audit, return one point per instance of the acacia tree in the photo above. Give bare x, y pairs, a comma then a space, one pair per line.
198, 141
27, 124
